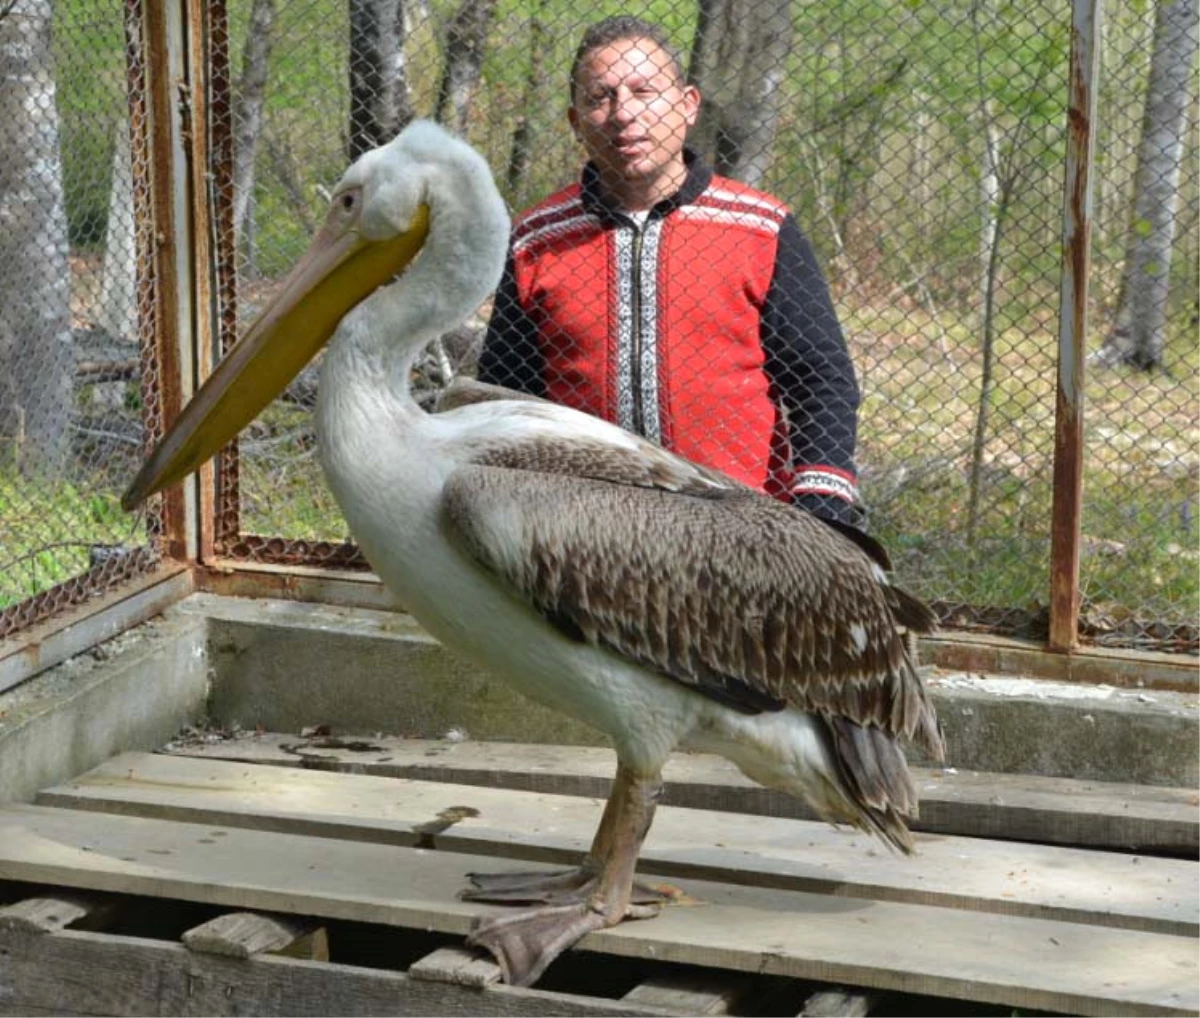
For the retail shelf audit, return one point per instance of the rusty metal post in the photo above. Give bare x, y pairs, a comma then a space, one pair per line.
1072, 331
198, 141
170, 126
224, 487
156, 32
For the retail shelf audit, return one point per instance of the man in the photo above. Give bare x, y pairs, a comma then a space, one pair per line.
683, 306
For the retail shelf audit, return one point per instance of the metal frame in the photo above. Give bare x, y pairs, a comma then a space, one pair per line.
1067, 508
160, 74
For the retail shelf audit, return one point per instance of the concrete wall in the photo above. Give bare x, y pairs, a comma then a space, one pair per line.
286, 666
132, 692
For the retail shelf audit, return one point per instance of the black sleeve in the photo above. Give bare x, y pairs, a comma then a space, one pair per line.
812, 376
511, 355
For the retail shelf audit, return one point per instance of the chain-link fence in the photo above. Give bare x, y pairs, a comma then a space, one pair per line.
917, 149
77, 311
1139, 566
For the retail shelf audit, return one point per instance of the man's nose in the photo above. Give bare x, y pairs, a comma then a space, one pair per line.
622, 109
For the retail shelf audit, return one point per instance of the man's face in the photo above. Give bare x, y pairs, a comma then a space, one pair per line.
631, 111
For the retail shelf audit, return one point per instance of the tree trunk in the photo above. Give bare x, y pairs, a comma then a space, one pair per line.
989, 204
1195, 299
247, 117
738, 62
118, 289
380, 103
1138, 335
465, 42
35, 325
920, 163
518, 159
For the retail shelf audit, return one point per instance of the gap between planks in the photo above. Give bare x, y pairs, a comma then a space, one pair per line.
1011, 806
1009, 960
1040, 881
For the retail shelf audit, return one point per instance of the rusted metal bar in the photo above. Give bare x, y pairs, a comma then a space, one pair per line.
285, 551
1072, 331
37, 634
170, 363
226, 498
205, 324
144, 233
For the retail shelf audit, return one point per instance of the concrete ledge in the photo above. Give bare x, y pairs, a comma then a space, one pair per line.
288, 665
1099, 733
133, 692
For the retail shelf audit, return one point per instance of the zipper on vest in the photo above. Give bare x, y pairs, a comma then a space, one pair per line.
635, 367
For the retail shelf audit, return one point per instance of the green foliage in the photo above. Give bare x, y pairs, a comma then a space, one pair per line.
1141, 525
49, 529
90, 93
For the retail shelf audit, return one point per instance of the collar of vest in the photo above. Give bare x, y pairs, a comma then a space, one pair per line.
699, 175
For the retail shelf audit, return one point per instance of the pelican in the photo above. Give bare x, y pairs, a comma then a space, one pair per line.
660, 602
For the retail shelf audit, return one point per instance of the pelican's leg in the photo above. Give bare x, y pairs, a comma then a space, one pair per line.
601, 891
556, 887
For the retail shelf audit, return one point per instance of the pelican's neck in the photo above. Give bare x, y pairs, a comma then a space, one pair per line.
378, 341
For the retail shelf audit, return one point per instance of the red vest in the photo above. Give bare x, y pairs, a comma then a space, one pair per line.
659, 331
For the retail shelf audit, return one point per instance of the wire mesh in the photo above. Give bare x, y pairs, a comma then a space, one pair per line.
918, 147
1139, 566
76, 322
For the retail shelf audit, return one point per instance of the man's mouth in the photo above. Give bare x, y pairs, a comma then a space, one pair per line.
630, 146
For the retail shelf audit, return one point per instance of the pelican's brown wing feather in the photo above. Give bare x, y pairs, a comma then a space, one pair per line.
732, 593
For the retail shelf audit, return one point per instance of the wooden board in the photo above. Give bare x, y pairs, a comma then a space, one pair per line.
462, 966
1011, 806
135, 976
837, 1004
693, 992
245, 934
1010, 960
1073, 885
45, 914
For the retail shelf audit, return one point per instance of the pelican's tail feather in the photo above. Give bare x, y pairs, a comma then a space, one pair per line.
875, 779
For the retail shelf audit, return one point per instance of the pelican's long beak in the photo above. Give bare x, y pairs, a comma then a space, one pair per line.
339, 270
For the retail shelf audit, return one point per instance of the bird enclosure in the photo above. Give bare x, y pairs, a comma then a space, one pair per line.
234, 778
1003, 197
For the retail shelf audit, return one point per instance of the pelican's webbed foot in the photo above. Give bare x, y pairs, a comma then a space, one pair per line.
525, 943
574, 903
552, 887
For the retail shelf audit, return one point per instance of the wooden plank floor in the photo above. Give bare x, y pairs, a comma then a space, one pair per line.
1064, 811
1021, 925
1073, 885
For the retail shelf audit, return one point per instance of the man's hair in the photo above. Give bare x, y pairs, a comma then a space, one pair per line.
621, 27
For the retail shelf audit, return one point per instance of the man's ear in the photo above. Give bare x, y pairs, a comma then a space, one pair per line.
691, 104
573, 119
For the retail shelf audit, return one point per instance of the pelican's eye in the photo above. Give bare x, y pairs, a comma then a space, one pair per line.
346, 205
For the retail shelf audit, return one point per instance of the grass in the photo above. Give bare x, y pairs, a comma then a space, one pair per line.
1140, 519
48, 531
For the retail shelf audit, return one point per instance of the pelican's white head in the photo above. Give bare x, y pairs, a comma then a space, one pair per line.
426, 166
424, 193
